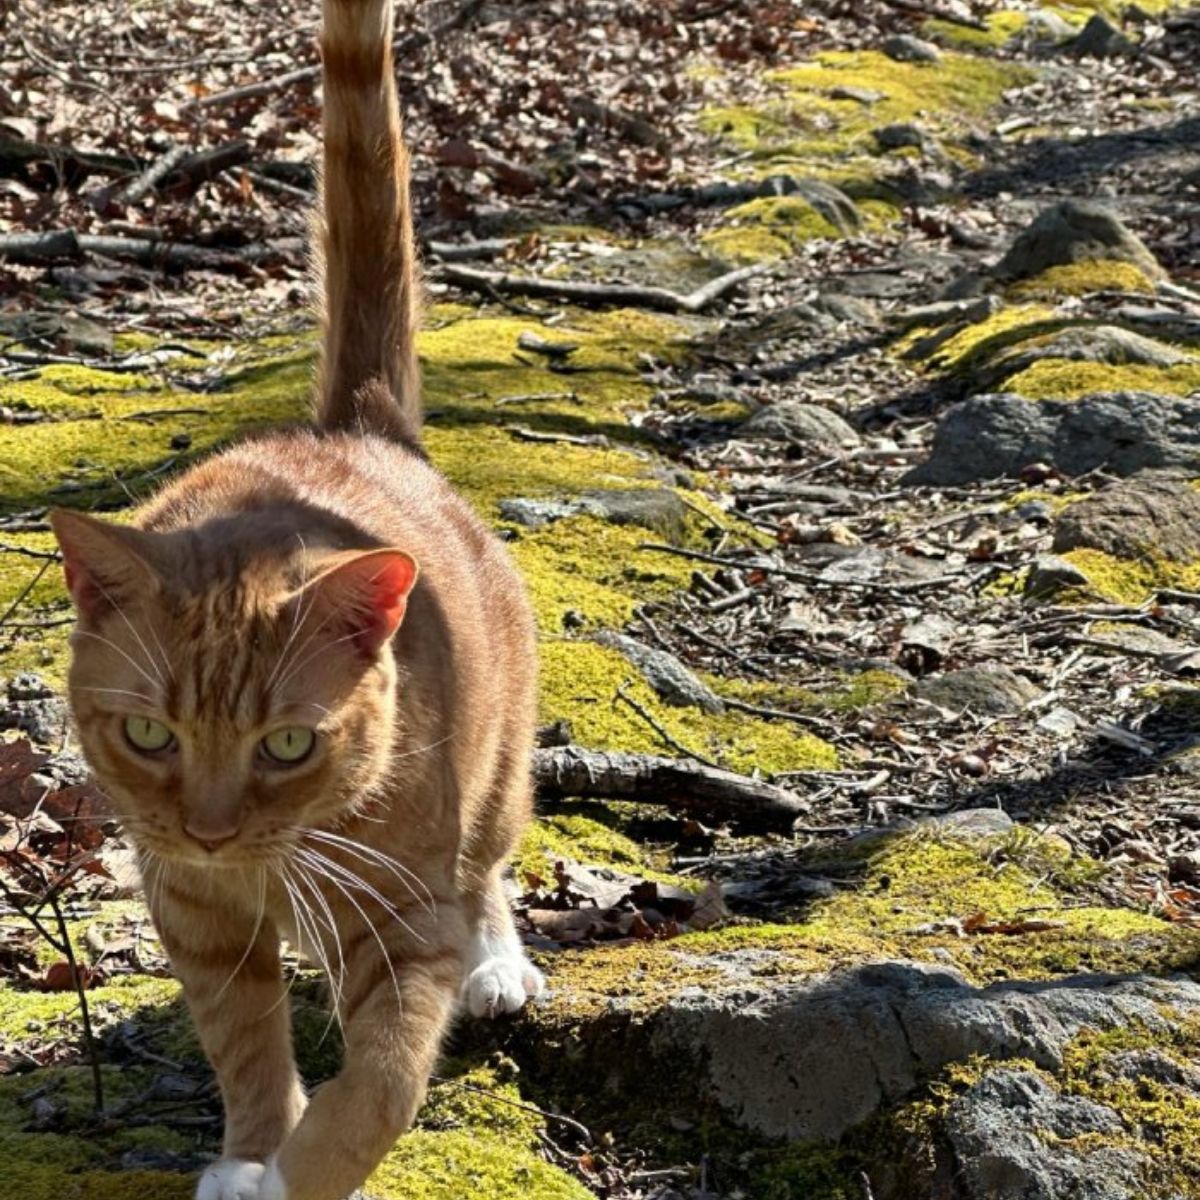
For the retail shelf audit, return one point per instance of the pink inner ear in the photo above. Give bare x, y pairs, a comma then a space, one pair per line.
390, 586
371, 591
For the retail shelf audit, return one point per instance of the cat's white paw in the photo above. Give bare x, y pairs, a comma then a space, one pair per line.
272, 1186
501, 984
231, 1179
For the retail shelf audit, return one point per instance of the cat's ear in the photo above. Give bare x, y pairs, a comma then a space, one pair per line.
364, 595
104, 564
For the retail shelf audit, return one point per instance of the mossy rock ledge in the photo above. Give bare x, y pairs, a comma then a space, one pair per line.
879, 1034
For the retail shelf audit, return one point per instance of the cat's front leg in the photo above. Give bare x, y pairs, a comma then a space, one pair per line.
228, 962
394, 1011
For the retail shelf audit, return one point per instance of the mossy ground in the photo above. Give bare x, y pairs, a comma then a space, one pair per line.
904, 896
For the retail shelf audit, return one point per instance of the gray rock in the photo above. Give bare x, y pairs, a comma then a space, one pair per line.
854, 309
1074, 231
862, 95
28, 686
1154, 1065
990, 690
971, 823
809, 1060
906, 48
1012, 1137
535, 514
800, 424
896, 137
33, 708
658, 509
670, 679
1148, 514
1050, 575
1046, 23
1000, 434
1100, 38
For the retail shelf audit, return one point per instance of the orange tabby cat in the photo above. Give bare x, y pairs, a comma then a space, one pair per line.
305, 674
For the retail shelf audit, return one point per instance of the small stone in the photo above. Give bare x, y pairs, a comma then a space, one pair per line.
862, 95
896, 137
535, 514
28, 686
985, 691
1074, 231
1143, 516
671, 680
181, 441
1100, 38
855, 310
800, 424
1185, 868
658, 509
1050, 575
906, 48
971, 823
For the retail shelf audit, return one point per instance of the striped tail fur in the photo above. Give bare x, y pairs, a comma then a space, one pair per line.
369, 379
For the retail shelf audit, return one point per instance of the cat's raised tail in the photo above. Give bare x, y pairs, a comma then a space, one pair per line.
369, 379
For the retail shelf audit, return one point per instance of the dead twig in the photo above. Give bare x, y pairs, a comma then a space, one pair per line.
659, 728
578, 292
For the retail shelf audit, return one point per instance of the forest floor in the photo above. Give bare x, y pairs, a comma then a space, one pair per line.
892, 545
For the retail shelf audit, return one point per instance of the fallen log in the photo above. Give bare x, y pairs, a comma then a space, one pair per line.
578, 292
561, 771
65, 245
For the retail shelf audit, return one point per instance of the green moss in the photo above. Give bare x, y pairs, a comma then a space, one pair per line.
449, 1166
1002, 27
980, 340
851, 693
747, 245
767, 229
806, 123
1133, 582
1080, 279
1065, 379
908, 889
580, 681
1164, 1119
583, 839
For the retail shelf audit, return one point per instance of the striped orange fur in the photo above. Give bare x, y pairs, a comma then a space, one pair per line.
305, 674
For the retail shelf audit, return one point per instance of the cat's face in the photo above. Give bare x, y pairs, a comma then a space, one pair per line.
226, 716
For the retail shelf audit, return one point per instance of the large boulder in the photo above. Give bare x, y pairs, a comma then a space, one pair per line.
800, 424
1000, 434
1074, 231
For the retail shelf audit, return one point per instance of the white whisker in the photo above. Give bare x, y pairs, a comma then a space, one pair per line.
258, 924
120, 692
337, 983
299, 616
387, 958
369, 854
131, 661
154, 665
293, 670
315, 857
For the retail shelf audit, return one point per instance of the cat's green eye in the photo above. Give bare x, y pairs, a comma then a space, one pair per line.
292, 744
147, 735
